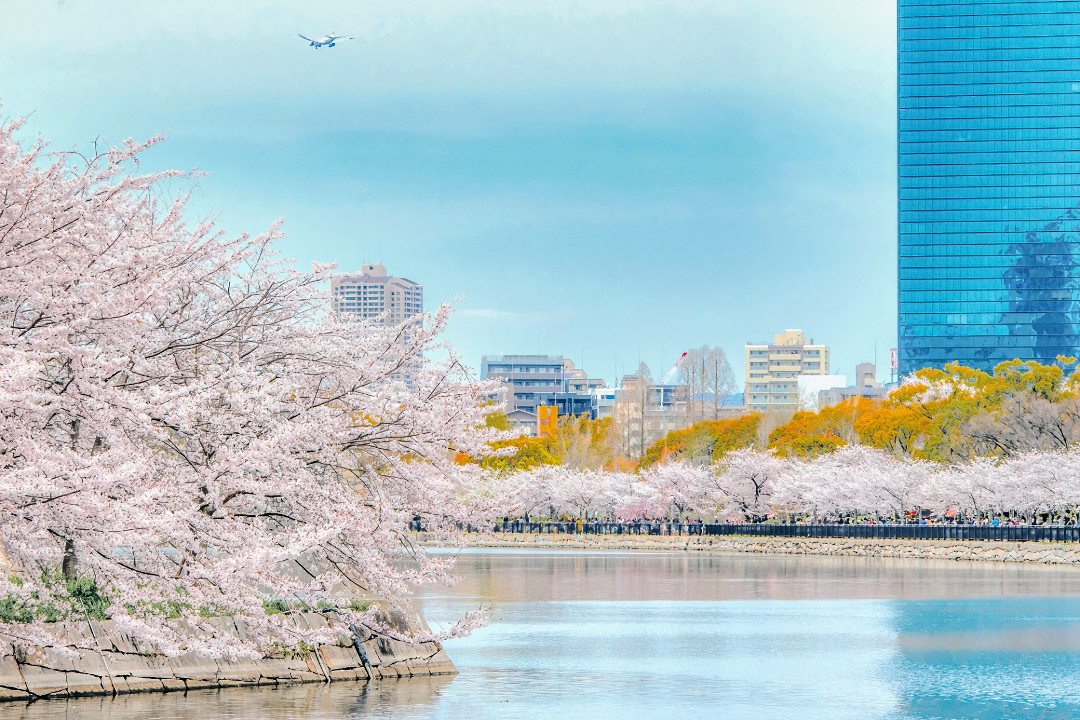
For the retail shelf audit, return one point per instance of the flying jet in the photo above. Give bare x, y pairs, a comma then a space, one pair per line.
329, 40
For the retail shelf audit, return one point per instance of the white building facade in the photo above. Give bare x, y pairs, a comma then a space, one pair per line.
374, 295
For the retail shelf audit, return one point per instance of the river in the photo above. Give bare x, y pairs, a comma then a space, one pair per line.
593, 634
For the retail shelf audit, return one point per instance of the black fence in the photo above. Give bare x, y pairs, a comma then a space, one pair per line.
1021, 533
596, 527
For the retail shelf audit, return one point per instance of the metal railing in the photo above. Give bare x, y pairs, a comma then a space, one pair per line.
1001, 533
597, 527
882, 531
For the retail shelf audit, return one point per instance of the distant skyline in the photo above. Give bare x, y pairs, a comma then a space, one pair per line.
611, 181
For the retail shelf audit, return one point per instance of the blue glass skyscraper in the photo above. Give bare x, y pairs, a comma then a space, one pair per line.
989, 181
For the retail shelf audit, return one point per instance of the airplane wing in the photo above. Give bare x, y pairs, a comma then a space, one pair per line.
307, 38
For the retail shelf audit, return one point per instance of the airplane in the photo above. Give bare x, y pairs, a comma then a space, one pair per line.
328, 40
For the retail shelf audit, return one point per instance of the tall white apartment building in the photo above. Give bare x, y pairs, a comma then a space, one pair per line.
373, 295
773, 370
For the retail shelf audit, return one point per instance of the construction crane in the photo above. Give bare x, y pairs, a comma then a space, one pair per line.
668, 377
670, 374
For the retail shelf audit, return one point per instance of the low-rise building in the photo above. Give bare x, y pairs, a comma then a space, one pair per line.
532, 381
866, 385
812, 386
645, 411
603, 401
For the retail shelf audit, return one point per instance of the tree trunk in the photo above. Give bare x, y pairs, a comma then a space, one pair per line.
69, 567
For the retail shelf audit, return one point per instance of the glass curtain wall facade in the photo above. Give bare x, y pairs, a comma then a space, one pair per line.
989, 181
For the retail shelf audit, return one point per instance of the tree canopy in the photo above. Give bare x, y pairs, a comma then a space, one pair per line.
706, 441
954, 414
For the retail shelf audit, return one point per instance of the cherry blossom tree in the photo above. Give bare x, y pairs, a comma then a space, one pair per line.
640, 500
183, 423
680, 487
853, 480
1039, 483
973, 488
856, 479
526, 493
745, 480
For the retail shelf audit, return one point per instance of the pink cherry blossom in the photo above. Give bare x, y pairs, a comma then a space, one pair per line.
183, 422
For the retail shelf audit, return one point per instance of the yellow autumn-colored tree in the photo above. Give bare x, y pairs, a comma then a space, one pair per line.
583, 443
1036, 407
530, 452
926, 417
706, 441
951, 414
957, 413
895, 427
580, 442
810, 434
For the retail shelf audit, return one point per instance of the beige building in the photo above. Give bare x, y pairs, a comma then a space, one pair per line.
371, 294
773, 370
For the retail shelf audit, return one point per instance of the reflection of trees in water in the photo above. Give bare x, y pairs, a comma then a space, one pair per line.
343, 699
1042, 285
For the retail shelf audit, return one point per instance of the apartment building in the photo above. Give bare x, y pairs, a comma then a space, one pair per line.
372, 294
773, 370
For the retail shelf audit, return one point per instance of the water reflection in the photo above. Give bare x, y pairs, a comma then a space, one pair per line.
581, 634
515, 575
407, 699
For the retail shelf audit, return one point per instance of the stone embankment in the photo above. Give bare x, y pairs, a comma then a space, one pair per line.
117, 663
968, 550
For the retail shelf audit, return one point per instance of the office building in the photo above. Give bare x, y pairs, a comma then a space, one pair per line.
989, 181
773, 370
373, 295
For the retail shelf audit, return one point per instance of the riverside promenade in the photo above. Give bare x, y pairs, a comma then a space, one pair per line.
868, 531
1004, 551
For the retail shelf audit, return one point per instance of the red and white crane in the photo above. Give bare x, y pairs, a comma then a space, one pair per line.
670, 374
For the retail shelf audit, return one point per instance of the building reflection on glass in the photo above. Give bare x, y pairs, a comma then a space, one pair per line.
1042, 288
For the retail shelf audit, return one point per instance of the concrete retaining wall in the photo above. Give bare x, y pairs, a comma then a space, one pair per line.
123, 665
969, 550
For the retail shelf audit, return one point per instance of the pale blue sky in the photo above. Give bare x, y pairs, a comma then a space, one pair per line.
606, 179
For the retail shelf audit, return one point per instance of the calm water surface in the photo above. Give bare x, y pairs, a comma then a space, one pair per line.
608, 634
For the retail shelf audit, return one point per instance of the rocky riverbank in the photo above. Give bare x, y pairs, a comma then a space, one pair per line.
116, 663
967, 550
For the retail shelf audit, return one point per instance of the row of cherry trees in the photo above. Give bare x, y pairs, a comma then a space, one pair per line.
183, 425
852, 481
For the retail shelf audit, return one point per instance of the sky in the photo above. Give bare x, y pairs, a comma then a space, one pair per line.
611, 180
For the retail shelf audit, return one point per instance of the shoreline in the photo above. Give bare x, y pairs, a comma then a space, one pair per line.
118, 664
1042, 553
